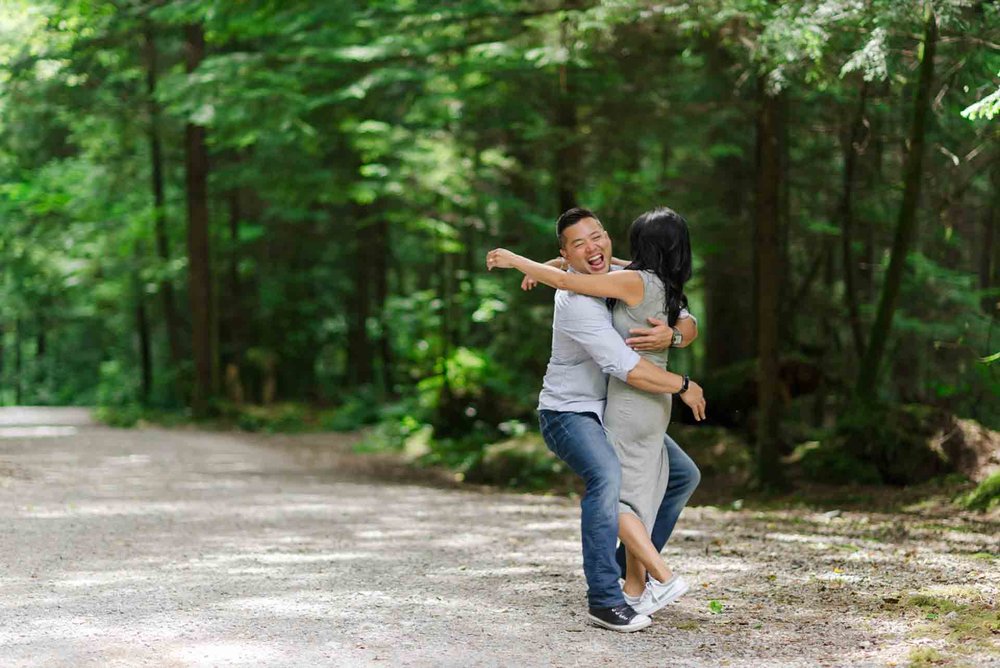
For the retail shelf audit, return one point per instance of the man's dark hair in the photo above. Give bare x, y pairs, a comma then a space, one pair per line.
572, 217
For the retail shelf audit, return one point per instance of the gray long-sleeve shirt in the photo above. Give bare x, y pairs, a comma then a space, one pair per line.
585, 347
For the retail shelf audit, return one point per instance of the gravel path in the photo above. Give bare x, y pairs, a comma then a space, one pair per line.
184, 548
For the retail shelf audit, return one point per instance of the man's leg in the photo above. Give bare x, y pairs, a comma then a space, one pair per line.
579, 440
684, 479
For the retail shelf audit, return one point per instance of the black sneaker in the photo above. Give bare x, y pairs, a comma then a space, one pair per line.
619, 618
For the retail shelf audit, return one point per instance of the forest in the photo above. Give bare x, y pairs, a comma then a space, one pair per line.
276, 214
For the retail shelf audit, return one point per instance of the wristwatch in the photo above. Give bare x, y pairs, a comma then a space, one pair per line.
677, 338
684, 387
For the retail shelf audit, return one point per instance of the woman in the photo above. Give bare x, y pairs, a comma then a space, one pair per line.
651, 286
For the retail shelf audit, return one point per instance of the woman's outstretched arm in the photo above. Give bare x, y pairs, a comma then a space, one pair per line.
624, 285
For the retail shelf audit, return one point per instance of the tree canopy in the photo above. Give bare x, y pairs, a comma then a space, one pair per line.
205, 202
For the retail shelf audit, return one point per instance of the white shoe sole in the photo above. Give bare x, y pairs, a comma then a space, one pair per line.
634, 626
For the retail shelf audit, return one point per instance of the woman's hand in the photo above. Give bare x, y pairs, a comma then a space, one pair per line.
694, 397
528, 283
500, 258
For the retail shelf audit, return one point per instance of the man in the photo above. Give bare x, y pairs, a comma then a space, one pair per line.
585, 347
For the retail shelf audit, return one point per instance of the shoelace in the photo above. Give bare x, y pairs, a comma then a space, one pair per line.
620, 614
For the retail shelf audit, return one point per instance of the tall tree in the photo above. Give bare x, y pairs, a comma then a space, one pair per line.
169, 301
852, 144
768, 266
199, 269
906, 225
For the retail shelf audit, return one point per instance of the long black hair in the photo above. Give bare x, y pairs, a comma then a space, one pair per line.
660, 243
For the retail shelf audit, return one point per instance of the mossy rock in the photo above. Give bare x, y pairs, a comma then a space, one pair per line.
913, 443
984, 497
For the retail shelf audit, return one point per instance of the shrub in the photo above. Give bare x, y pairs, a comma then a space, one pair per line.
897, 440
832, 463
359, 410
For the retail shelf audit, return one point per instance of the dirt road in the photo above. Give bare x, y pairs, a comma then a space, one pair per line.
185, 548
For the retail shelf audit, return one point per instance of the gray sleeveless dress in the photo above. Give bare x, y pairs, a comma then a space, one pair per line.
635, 420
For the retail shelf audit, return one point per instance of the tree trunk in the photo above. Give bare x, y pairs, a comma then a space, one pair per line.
232, 326
853, 139
3, 359
567, 140
145, 354
18, 362
874, 178
728, 271
786, 333
989, 258
359, 349
381, 269
768, 286
199, 270
906, 227
159, 201
39, 366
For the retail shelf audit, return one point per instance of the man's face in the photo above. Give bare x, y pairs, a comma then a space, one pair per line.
587, 247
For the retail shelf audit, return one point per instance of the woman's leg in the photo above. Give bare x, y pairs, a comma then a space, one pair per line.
635, 581
683, 479
633, 534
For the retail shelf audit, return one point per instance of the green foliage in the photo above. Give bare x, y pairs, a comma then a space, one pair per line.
718, 451
524, 462
986, 108
279, 418
358, 410
985, 496
134, 415
120, 416
972, 623
363, 156
117, 386
925, 657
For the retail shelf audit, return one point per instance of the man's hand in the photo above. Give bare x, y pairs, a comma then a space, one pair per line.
528, 283
694, 397
657, 337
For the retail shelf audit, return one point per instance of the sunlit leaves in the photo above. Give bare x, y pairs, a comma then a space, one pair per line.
986, 108
870, 59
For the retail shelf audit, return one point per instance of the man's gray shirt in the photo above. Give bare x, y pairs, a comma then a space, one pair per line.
585, 347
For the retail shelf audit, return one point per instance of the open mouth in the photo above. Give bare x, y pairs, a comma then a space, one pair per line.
596, 262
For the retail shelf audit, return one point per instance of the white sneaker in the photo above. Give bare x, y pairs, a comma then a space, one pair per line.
658, 594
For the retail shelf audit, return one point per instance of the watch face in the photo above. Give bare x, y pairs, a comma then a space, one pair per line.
677, 338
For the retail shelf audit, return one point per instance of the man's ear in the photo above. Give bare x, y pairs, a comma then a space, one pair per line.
562, 251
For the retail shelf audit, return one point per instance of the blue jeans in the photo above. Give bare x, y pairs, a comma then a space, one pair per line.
684, 478
579, 440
